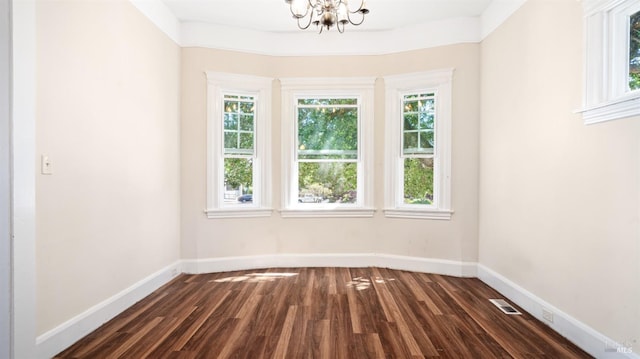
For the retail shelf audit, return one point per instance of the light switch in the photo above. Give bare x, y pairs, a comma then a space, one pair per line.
46, 165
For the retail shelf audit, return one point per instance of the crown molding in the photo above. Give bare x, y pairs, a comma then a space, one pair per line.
296, 43
497, 13
446, 32
160, 15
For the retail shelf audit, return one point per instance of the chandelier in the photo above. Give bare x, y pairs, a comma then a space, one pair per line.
326, 13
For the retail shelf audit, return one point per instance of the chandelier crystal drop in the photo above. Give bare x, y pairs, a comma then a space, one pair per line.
326, 13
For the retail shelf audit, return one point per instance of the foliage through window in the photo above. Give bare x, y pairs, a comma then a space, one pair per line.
238, 152
327, 150
418, 139
634, 51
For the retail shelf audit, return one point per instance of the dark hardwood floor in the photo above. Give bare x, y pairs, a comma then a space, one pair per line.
321, 313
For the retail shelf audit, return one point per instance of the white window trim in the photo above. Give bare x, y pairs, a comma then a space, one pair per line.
606, 96
218, 84
440, 83
360, 87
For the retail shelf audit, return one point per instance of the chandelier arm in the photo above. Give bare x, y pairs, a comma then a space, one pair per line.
362, 4
340, 30
351, 21
308, 24
297, 16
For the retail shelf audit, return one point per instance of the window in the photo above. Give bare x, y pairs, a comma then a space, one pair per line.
612, 60
327, 147
634, 52
418, 145
238, 160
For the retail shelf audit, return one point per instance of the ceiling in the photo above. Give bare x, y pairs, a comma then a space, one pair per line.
274, 15
267, 26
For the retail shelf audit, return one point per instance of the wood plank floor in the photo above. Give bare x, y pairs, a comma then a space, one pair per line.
321, 313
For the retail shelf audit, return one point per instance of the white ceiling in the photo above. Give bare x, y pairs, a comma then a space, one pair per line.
274, 15
267, 27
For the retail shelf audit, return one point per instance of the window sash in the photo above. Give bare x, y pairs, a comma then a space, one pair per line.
236, 98
294, 89
328, 103
437, 166
416, 152
607, 95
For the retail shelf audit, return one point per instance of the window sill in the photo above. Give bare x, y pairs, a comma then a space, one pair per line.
620, 108
439, 214
239, 213
328, 213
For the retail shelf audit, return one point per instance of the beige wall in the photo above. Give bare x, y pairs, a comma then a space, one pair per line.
108, 117
209, 238
559, 201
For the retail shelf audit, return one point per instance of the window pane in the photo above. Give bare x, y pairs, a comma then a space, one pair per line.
634, 52
327, 182
418, 180
246, 107
246, 140
239, 124
410, 142
238, 180
426, 140
426, 119
246, 123
411, 121
418, 124
326, 133
230, 141
230, 121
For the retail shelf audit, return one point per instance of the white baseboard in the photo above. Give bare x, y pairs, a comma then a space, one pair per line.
594, 343
61, 337
416, 264
577, 332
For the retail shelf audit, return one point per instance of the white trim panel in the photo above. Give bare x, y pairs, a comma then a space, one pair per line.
24, 88
6, 289
357, 260
62, 336
328, 213
585, 337
418, 214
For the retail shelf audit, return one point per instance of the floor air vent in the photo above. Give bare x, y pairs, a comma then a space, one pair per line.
505, 307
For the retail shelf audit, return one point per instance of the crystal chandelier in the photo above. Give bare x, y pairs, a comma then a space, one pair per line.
326, 13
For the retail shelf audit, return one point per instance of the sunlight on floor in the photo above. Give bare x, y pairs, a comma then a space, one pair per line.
255, 277
360, 283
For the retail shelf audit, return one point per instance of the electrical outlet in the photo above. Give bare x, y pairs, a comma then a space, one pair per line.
547, 315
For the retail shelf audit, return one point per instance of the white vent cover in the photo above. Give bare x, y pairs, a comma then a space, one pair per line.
505, 307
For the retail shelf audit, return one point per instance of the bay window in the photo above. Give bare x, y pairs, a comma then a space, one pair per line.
326, 142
